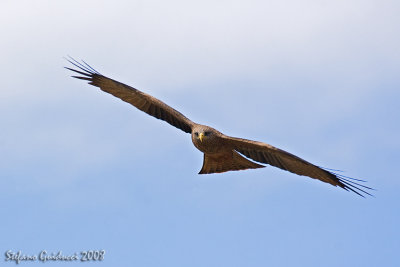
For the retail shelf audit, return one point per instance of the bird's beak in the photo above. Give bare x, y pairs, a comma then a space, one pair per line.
201, 136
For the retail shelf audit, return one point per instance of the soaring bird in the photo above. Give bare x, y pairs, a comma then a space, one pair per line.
222, 153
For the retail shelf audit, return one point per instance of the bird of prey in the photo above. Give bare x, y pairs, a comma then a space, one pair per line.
222, 153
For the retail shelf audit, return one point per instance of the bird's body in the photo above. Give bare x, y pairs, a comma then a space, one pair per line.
221, 152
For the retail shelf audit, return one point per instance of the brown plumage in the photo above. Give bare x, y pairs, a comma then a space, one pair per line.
221, 152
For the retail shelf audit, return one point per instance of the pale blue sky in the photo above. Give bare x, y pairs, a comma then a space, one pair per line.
81, 170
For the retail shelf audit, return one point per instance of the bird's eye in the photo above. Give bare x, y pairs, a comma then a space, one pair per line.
206, 133
196, 134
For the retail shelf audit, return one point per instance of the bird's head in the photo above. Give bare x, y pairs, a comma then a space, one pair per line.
202, 133
204, 137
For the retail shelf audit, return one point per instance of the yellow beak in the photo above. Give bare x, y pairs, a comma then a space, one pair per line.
201, 136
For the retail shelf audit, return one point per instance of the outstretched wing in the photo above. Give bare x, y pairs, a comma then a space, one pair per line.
138, 99
268, 154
